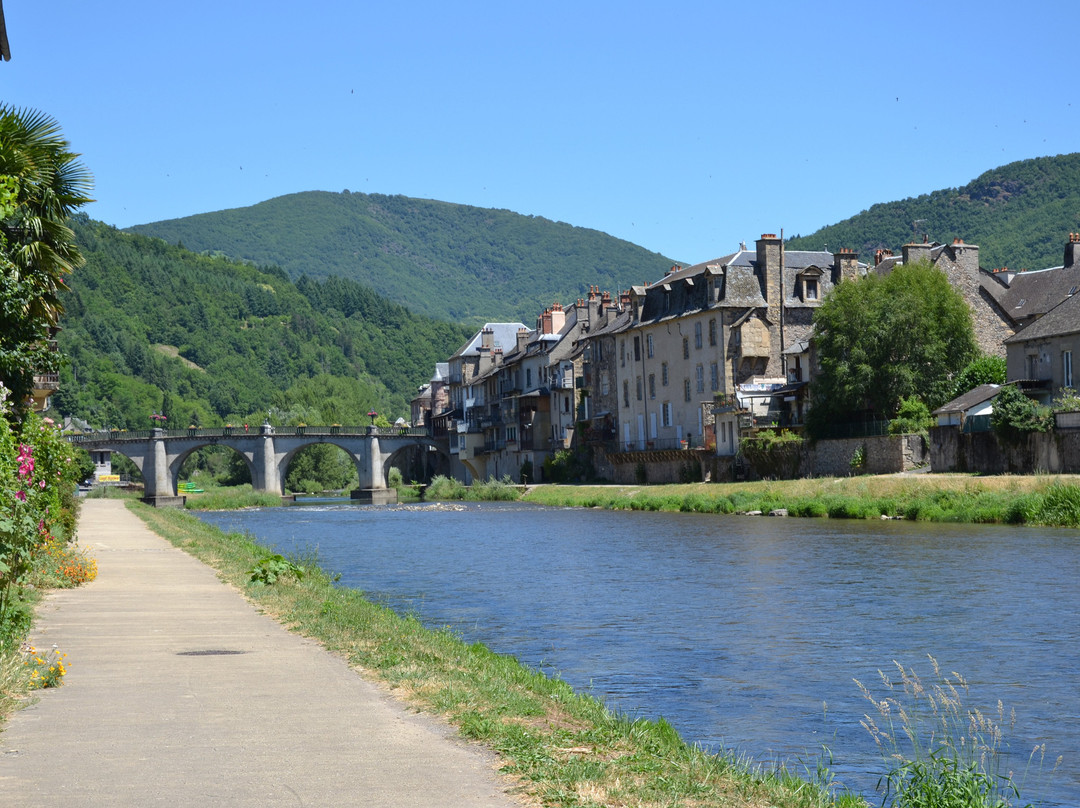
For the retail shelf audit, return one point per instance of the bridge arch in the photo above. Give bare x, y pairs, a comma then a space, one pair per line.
159, 454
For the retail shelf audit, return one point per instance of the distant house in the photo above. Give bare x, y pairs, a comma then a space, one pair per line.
975, 403
1039, 357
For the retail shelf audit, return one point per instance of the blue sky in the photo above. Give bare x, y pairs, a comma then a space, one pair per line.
683, 127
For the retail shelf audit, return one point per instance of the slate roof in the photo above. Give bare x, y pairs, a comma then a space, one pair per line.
1030, 294
1063, 319
505, 335
972, 398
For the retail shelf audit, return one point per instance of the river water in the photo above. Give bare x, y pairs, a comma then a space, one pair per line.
745, 633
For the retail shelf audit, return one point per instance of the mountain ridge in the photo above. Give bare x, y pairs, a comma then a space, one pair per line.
456, 262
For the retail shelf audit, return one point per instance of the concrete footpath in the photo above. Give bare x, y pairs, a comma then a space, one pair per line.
179, 693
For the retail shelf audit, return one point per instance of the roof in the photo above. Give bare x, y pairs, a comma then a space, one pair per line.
972, 398
1063, 319
1043, 292
505, 334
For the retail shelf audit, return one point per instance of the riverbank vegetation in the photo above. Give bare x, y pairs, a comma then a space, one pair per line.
563, 748
1052, 500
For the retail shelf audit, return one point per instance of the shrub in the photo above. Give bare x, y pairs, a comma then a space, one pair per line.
1015, 415
912, 417
445, 488
492, 490
394, 478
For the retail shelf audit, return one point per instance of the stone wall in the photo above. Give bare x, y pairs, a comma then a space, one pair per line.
663, 466
1055, 452
882, 454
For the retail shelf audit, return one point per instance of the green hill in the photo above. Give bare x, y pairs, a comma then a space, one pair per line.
453, 262
1020, 215
152, 327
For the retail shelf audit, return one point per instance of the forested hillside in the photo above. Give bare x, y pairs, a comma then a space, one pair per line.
151, 327
454, 262
1020, 215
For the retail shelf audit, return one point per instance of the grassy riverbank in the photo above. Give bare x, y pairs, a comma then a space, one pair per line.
1034, 500
565, 749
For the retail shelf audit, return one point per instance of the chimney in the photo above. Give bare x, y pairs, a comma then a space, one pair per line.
1072, 248
624, 300
522, 338
768, 268
558, 318
487, 338
846, 265
543, 322
605, 301
593, 292
913, 253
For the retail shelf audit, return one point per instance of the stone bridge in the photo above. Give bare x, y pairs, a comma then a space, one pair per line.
267, 450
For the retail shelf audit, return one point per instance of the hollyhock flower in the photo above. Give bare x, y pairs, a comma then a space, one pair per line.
21, 496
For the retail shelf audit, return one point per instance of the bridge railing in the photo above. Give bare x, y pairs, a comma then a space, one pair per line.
229, 431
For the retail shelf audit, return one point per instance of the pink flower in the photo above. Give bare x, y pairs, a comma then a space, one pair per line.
42, 484
21, 496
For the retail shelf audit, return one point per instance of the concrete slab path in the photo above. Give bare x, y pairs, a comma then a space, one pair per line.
179, 693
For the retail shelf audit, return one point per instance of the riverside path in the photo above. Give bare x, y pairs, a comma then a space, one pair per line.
146, 717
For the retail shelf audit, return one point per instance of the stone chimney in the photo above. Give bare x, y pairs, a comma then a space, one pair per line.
1072, 250
768, 268
845, 265
522, 338
913, 253
487, 338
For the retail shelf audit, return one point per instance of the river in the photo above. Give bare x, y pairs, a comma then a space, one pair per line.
742, 632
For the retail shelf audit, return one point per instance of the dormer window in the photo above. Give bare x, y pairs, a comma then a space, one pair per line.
808, 286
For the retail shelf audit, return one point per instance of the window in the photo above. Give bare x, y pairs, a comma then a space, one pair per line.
622, 352
685, 347
511, 434
1066, 369
712, 332
605, 388
686, 389
663, 374
697, 334
810, 290
639, 388
1033, 366
528, 378
714, 377
649, 346
700, 373
652, 385
637, 349
626, 393
665, 414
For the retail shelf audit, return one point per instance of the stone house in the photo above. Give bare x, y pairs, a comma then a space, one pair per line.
468, 370
1039, 357
703, 331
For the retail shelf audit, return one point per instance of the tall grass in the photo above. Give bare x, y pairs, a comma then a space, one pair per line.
1035, 501
940, 752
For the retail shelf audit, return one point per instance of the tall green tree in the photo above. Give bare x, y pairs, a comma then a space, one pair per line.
41, 184
883, 339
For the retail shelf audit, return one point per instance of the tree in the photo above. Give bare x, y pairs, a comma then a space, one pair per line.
41, 185
985, 369
883, 339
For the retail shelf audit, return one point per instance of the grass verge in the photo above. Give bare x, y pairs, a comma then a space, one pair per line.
1034, 500
563, 748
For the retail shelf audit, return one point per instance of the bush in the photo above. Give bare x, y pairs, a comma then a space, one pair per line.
1015, 415
394, 478
912, 418
445, 488
492, 490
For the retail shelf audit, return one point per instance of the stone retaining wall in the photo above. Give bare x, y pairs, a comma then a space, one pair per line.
1055, 452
